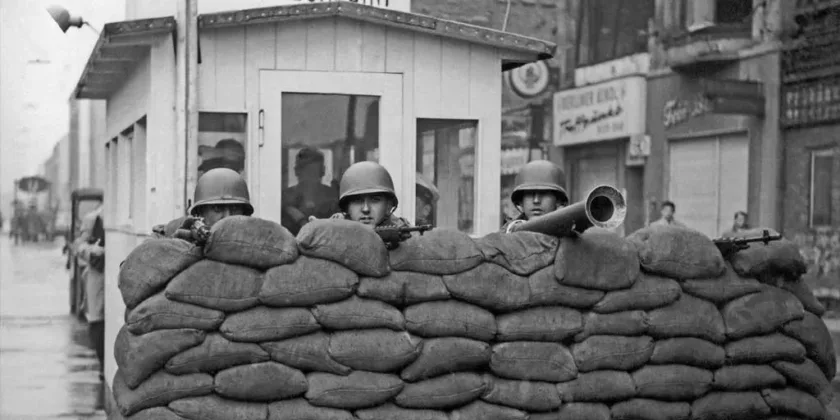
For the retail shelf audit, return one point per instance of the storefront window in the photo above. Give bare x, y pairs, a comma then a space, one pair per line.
821, 185
322, 135
446, 159
221, 141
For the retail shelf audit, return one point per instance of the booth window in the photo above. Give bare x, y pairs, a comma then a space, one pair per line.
446, 160
221, 141
138, 176
822, 163
322, 135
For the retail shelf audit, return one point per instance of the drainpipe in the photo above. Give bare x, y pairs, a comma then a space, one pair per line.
186, 64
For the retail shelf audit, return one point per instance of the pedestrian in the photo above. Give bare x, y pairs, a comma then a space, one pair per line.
667, 215
739, 224
309, 197
90, 248
540, 189
427, 196
366, 195
219, 193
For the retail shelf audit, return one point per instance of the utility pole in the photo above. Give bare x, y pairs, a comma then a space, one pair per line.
186, 64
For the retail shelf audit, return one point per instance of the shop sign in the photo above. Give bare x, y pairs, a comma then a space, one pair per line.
530, 80
677, 111
604, 111
513, 159
630, 65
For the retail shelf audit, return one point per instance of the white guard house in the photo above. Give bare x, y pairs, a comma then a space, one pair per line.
249, 89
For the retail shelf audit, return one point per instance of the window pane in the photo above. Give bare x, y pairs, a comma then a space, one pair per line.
322, 135
821, 189
221, 141
447, 152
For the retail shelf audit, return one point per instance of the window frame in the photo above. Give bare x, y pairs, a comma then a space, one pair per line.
816, 153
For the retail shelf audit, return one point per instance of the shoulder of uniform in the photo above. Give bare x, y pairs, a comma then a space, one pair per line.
338, 215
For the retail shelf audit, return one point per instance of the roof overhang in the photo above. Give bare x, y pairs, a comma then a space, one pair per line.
116, 53
517, 50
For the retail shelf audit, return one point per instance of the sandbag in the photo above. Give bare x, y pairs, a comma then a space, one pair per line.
730, 405
522, 253
356, 390
760, 313
805, 295
490, 286
523, 395
261, 324
213, 407
216, 285
808, 377
356, 313
213, 354
447, 354
598, 259
747, 378
672, 382
151, 265
677, 252
780, 257
158, 390
480, 410
687, 317
442, 392
307, 353
351, 244
546, 290
598, 386
648, 292
139, 356
307, 281
173, 225
550, 323
628, 323
688, 351
377, 350
610, 352
300, 409
813, 333
269, 381
450, 319
525, 360
647, 409
764, 349
160, 313
252, 242
722, 289
155, 413
794, 402
403, 288
390, 411
439, 251
584, 411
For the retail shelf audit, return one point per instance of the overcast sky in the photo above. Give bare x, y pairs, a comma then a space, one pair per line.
34, 96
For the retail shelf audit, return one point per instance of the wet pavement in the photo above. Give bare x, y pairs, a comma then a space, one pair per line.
47, 369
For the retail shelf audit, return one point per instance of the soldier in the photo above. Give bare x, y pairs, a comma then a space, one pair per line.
427, 197
366, 195
540, 189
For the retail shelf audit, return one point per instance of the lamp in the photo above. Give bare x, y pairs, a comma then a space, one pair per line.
65, 20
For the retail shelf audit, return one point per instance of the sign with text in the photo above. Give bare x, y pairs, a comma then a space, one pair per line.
604, 111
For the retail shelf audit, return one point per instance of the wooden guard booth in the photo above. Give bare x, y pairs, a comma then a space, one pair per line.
416, 93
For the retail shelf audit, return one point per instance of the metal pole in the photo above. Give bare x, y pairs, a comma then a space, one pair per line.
186, 114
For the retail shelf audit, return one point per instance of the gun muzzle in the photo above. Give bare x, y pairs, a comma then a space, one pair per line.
604, 207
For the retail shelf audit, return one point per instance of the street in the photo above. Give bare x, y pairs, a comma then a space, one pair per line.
49, 372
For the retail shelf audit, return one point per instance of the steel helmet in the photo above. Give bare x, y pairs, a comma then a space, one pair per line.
427, 188
365, 178
539, 175
221, 186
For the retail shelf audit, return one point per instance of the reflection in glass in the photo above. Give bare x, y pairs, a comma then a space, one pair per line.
446, 158
322, 135
221, 141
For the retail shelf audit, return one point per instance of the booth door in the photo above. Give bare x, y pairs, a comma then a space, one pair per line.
313, 126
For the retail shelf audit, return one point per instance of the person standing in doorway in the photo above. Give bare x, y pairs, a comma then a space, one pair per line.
90, 249
309, 197
667, 215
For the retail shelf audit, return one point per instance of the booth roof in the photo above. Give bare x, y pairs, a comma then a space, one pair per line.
122, 44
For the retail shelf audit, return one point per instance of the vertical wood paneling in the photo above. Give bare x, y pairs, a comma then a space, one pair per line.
399, 58
373, 47
207, 69
485, 101
455, 78
320, 44
230, 68
348, 45
260, 41
427, 75
290, 53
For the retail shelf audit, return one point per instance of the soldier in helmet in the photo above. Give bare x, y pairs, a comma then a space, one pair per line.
540, 189
366, 195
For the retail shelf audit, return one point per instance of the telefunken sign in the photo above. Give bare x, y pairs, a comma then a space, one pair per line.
604, 111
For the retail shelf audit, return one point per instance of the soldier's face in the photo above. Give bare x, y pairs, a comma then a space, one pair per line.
538, 203
369, 209
213, 214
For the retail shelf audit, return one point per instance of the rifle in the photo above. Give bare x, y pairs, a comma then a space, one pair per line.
194, 230
729, 246
393, 235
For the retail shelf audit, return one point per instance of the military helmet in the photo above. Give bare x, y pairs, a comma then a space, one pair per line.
426, 188
221, 186
540, 175
365, 178
306, 156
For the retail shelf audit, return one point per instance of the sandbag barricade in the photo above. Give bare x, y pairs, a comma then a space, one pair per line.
331, 325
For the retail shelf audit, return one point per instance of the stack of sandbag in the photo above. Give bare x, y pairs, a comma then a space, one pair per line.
330, 325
